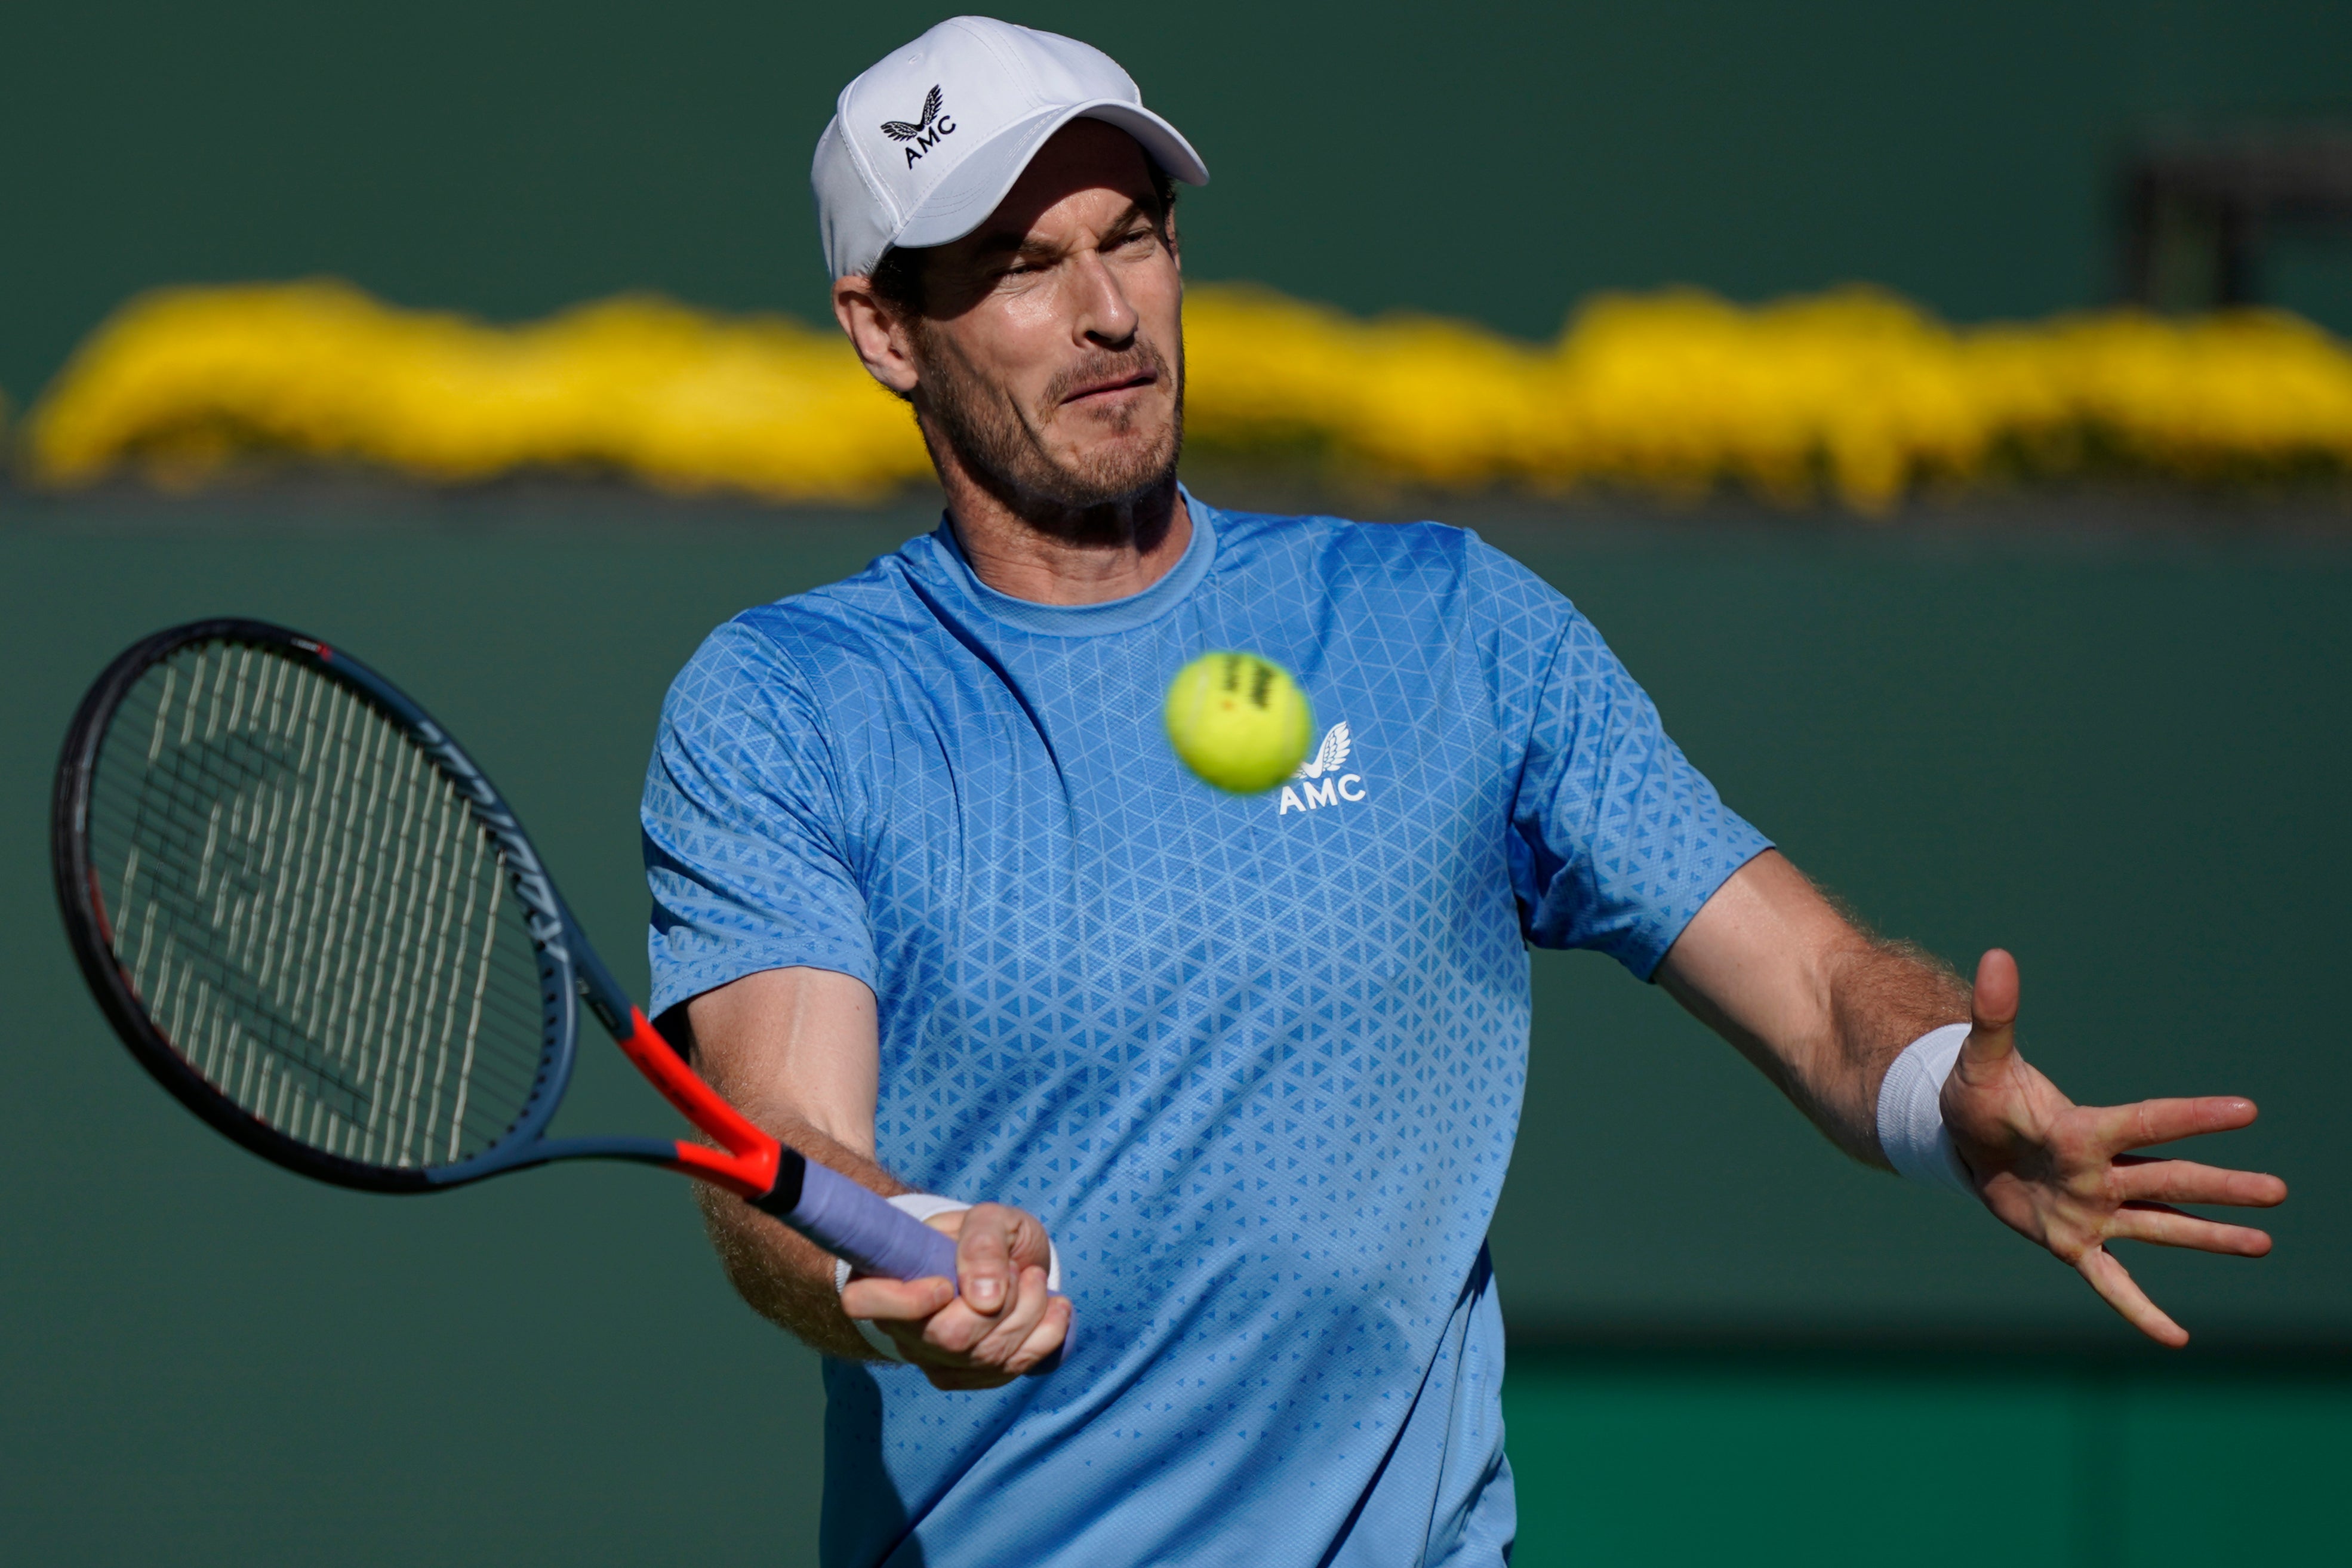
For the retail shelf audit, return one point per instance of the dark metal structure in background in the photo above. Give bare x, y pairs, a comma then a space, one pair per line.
2197, 210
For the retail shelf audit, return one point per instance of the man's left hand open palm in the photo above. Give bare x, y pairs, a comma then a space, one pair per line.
2059, 1173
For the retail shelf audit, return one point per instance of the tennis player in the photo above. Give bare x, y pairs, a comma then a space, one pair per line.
1236, 1076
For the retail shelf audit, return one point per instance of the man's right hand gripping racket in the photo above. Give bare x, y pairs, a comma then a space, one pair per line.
311, 918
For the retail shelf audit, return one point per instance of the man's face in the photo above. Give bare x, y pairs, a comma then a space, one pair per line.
1050, 351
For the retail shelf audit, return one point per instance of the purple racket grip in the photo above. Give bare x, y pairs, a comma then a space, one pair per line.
849, 1221
852, 1222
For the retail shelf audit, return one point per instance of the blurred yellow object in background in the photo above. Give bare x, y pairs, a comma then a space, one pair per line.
1855, 393
186, 378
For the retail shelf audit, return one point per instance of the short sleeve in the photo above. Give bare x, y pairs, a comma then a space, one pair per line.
1618, 840
747, 842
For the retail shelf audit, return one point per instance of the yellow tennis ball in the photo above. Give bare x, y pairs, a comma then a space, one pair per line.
1238, 721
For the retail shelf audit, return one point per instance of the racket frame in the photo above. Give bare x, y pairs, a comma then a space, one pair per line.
747, 1161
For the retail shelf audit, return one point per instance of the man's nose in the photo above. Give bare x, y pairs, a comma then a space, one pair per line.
1104, 315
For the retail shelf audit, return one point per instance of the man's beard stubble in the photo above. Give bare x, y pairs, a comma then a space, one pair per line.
1005, 453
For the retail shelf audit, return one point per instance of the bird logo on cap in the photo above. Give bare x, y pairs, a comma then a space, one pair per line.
900, 131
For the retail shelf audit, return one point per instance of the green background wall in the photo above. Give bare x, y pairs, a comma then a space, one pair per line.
2118, 752
1491, 159
2107, 732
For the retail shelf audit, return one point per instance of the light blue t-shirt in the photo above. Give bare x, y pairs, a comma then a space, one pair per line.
1256, 1062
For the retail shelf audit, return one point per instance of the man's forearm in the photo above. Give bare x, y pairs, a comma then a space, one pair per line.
1883, 998
796, 1050
1817, 1003
785, 1277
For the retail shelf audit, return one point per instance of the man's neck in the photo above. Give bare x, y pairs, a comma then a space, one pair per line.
1051, 555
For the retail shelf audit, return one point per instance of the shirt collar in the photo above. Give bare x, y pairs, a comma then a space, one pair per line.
1086, 619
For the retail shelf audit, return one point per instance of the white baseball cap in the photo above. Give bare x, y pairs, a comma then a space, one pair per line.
926, 142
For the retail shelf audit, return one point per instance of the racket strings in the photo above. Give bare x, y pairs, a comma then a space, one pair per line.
310, 914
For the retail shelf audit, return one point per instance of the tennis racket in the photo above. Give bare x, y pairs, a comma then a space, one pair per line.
315, 921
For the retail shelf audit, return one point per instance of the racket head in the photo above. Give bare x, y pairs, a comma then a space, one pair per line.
307, 912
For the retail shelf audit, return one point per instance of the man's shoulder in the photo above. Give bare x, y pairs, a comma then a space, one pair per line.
1314, 532
805, 646
878, 599
1415, 558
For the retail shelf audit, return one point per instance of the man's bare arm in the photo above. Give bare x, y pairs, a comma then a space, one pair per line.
1819, 1005
797, 1050
1825, 1009
794, 1050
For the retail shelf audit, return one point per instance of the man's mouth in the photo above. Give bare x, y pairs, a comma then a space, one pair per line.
1108, 386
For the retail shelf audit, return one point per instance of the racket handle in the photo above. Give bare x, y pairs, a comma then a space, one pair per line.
856, 1223
853, 1222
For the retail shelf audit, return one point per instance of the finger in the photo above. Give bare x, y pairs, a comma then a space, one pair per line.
1053, 1332
884, 1300
958, 1332
957, 1336
1010, 1333
2137, 1125
2141, 1180
1026, 1234
2116, 1287
950, 1335
984, 1270
2161, 1226
1992, 1024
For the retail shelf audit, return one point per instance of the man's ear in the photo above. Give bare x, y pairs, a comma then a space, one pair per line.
877, 332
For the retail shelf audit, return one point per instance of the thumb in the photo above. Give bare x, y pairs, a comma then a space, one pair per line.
1992, 1031
984, 1270
1029, 1248
997, 1243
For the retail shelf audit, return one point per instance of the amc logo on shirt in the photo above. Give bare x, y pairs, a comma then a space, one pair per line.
1320, 782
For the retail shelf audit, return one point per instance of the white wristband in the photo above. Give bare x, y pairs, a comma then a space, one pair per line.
1911, 1131
925, 1206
